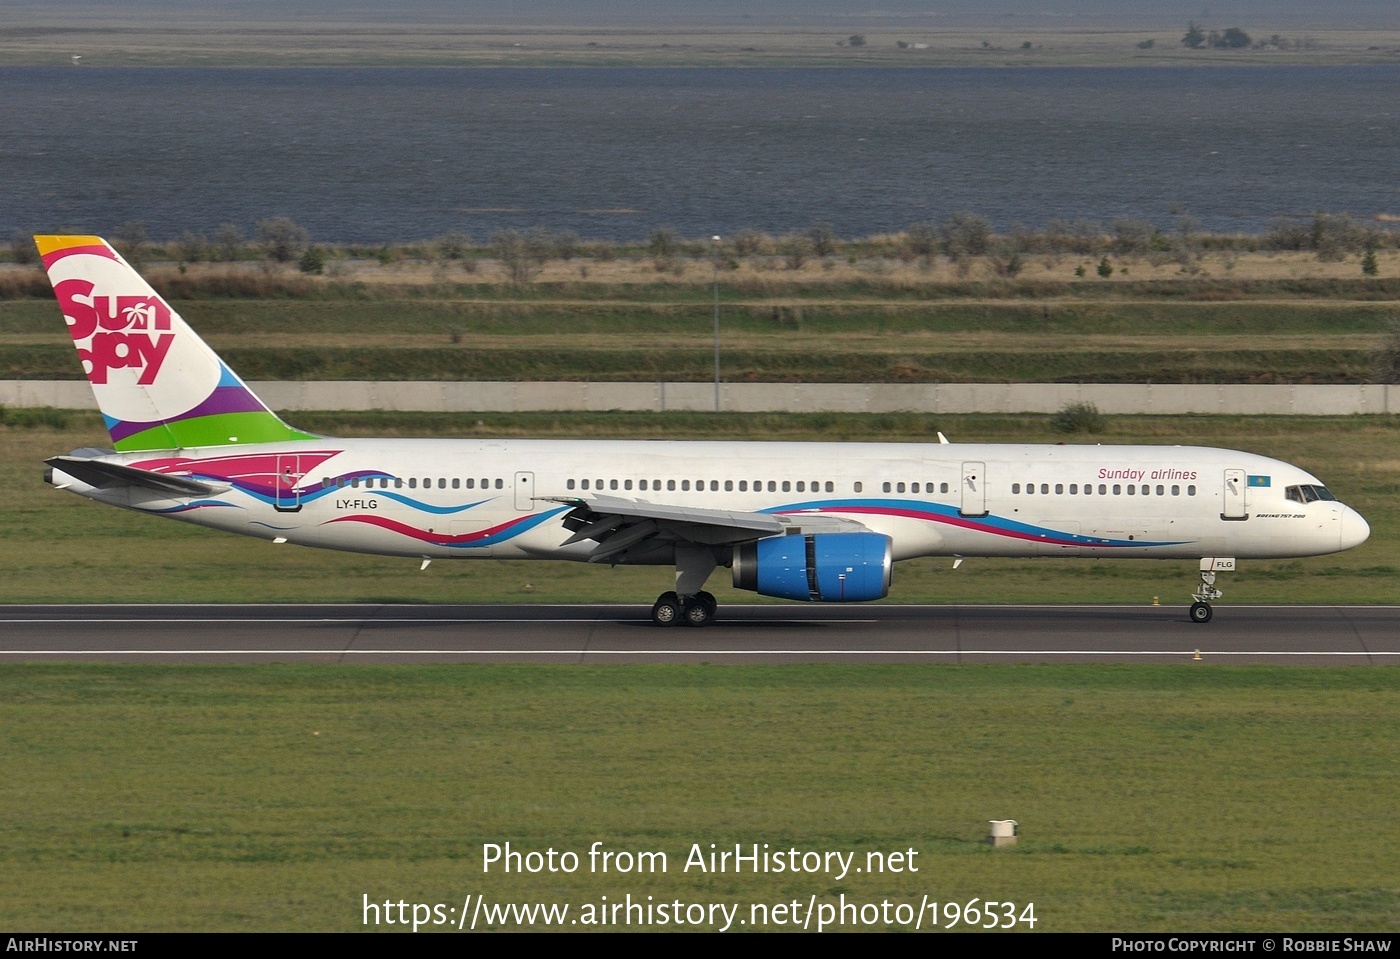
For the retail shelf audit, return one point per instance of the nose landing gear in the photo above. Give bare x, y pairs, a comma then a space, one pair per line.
1206, 593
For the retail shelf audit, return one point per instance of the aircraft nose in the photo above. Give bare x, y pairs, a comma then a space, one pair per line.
1355, 530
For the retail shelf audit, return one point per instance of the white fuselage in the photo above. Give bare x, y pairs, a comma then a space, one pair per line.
500, 498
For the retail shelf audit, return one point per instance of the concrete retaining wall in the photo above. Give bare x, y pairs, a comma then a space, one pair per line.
776, 397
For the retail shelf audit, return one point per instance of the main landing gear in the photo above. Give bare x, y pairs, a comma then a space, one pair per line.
697, 610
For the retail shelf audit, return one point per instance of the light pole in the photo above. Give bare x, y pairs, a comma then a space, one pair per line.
716, 264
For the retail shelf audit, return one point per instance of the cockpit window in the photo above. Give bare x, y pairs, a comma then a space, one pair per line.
1308, 493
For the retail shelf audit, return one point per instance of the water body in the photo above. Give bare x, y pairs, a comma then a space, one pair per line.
369, 155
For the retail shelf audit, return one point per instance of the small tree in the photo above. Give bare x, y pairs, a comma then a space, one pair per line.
1105, 268
823, 239
1232, 39
228, 243
921, 240
795, 249
539, 245
1369, 265
1195, 37
313, 260
567, 245
453, 246
749, 242
192, 247
856, 40
966, 234
130, 239
281, 238
22, 248
664, 242
513, 253
1132, 236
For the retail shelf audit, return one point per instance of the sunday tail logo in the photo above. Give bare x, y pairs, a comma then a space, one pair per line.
159, 386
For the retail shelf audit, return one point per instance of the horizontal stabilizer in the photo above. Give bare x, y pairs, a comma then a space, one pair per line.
113, 475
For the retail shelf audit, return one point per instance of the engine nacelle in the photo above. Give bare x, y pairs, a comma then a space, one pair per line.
830, 567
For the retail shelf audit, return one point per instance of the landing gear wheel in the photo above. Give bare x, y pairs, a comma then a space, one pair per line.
708, 599
698, 612
1201, 612
667, 610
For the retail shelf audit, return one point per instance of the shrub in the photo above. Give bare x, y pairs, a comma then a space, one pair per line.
966, 234
1078, 418
453, 246
282, 238
749, 242
228, 243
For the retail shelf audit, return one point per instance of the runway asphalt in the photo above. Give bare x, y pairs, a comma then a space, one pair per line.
1302, 635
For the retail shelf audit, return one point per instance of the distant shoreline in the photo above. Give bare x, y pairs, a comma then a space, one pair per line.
138, 41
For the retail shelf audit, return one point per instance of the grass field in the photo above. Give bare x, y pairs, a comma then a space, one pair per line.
1276, 318
1185, 798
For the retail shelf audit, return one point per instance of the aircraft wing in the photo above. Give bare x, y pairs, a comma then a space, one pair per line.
621, 526
113, 475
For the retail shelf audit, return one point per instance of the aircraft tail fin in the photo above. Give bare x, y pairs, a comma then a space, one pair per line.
158, 385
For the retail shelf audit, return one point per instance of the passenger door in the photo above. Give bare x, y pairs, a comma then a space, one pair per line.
974, 490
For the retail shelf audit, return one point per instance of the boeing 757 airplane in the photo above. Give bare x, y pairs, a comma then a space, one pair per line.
802, 521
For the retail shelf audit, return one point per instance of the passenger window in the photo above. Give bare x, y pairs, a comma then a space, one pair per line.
942, 487
1117, 489
899, 488
500, 484
1059, 489
1176, 490
743, 486
1030, 489
671, 485
1161, 491
1015, 487
612, 484
1191, 491
585, 484
801, 486
1103, 490
471, 483
398, 483
729, 486
887, 487
714, 486
859, 487
685, 485
787, 486
772, 486
1130, 489
354, 482
457, 483
1045, 488
569, 484
642, 485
